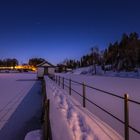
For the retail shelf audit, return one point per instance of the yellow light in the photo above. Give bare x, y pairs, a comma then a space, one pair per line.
21, 67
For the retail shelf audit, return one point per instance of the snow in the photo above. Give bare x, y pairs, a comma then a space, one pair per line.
69, 120
34, 135
116, 85
89, 71
13, 90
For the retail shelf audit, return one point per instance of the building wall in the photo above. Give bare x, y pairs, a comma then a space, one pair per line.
40, 72
51, 71
45, 71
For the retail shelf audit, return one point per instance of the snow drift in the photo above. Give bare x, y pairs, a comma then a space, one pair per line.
69, 120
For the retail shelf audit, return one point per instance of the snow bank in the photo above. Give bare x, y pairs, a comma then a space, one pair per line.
34, 135
115, 85
90, 71
72, 122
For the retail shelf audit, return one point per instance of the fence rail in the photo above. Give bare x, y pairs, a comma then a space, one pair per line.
47, 133
61, 81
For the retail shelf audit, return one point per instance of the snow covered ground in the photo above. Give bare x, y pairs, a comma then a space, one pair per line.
70, 121
12, 92
34, 135
89, 71
116, 85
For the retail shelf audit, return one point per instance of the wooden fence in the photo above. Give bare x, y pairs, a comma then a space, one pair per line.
61, 82
47, 133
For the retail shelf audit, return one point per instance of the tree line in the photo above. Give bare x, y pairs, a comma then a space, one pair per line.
12, 62
120, 55
8, 62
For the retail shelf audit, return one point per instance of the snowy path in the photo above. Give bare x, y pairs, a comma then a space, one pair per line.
70, 121
13, 88
26, 108
118, 86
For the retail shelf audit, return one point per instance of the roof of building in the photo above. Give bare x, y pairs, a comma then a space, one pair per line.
45, 64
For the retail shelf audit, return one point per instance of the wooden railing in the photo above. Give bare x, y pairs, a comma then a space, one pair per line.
61, 82
47, 133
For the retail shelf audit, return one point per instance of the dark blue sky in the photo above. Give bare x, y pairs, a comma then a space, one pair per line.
59, 29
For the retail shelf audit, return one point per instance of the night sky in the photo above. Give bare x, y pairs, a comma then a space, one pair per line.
59, 29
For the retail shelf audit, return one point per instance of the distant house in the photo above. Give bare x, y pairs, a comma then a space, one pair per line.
62, 68
45, 68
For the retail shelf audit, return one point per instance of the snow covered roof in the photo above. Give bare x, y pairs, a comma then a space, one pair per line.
45, 64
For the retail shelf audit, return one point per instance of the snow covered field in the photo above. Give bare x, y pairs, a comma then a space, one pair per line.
68, 113
13, 89
116, 85
70, 121
89, 71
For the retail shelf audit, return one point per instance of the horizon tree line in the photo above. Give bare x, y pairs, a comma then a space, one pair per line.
12, 62
120, 55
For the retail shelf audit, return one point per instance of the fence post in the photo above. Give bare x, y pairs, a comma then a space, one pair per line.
126, 117
43, 93
48, 112
46, 118
69, 86
59, 80
55, 78
63, 82
44, 87
84, 94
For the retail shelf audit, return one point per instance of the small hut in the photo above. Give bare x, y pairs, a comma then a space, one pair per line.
45, 68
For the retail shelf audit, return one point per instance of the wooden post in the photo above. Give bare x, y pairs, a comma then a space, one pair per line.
59, 80
69, 86
45, 89
126, 117
45, 130
42, 82
84, 95
63, 82
47, 106
44, 98
55, 79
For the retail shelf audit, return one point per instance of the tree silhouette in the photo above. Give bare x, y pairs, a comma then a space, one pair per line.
35, 61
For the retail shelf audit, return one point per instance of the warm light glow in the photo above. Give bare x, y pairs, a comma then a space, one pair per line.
20, 67
6, 68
